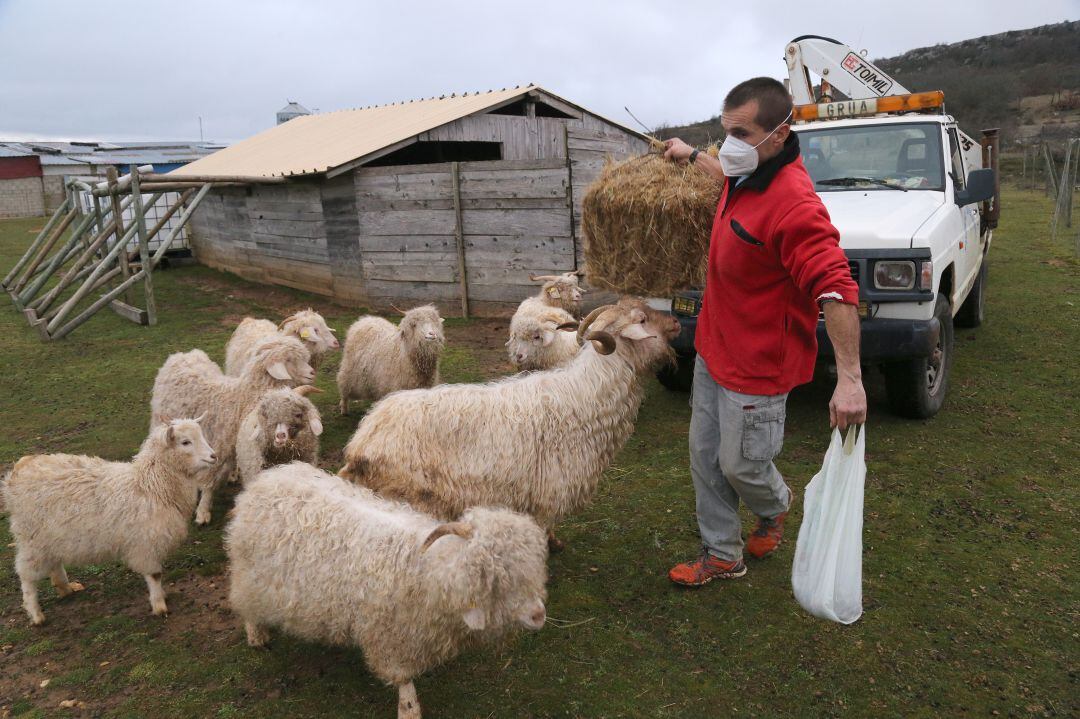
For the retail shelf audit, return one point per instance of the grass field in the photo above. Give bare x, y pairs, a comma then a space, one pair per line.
970, 541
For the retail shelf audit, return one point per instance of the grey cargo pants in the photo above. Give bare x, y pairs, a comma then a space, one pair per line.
734, 438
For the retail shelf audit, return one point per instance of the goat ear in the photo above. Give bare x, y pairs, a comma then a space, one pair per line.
549, 337
165, 419
554, 292
635, 331
305, 334
475, 619
170, 435
316, 426
256, 433
278, 371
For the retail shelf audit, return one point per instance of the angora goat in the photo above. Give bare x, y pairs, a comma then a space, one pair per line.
535, 442
331, 562
308, 326
562, 291
73, 509
190, 383
284, 426
380, 358
536, 341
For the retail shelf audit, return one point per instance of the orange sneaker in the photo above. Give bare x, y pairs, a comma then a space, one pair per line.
766, 536
704, 569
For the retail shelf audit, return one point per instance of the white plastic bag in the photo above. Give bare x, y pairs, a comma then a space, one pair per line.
827, 573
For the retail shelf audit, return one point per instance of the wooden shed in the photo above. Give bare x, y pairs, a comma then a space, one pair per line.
425, 201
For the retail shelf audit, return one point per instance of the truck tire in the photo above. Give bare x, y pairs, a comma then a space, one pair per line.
678, 377
974, 308
916, 388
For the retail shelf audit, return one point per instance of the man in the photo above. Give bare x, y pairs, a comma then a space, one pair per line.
774, 261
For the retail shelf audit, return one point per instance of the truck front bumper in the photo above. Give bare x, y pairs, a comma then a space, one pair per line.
882, 339
889, 339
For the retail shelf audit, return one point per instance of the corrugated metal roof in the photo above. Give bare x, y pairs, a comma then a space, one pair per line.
14, 151
317, 143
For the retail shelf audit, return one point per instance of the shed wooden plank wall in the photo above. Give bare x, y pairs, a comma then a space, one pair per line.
270, 233
385, 235
515, 220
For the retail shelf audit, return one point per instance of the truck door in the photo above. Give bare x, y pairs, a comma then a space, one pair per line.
970, 250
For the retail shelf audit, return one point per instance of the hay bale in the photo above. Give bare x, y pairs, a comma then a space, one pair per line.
647, 222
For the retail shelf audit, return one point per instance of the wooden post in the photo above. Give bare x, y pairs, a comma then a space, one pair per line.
144, 249
1051, 180
570, 193
57, 260
61, 211
56, 233
56, 331
118, 216
459, 237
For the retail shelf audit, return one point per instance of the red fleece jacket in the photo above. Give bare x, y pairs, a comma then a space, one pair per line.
773, 256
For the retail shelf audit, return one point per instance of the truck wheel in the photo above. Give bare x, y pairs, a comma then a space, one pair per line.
916, 388
972, 311
678, 377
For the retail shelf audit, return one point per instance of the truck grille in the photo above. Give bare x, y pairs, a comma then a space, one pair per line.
854, 271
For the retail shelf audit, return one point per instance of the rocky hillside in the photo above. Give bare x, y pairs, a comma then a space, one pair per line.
1026, 82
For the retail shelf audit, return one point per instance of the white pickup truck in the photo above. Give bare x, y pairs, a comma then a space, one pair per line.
916, 203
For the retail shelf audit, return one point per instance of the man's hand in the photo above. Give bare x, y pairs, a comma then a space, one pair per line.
848, 403
677, 150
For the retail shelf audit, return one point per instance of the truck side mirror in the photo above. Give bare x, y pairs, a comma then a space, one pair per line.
980, 187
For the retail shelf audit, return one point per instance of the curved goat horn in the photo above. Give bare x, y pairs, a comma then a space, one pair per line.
285, 321
305, 389
544, 278
607, 342
398, 309
590, 318
567, 326
461, 529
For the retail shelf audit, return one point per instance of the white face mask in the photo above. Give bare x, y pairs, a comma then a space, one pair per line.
738, 157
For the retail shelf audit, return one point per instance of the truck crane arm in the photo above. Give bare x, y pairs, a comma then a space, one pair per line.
837, 65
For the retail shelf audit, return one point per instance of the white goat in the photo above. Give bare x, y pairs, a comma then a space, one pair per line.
73, 509
536, 442
562, 291
284, 426
536, 341
190, 383
307, 326
380, 358
332, 562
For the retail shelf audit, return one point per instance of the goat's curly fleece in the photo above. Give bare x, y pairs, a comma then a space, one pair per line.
255, 450
190, 384
536, 442
250, 330
380, 358
74, 509
331, 562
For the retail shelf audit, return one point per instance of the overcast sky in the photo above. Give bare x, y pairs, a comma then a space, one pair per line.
113, 69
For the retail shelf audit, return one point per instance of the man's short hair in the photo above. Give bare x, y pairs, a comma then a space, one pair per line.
774, 101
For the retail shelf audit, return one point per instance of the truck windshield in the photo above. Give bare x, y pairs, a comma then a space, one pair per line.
874, 157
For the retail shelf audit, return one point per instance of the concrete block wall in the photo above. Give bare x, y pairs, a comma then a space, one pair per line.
22, 197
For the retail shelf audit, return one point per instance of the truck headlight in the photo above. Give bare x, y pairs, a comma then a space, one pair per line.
894, 275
